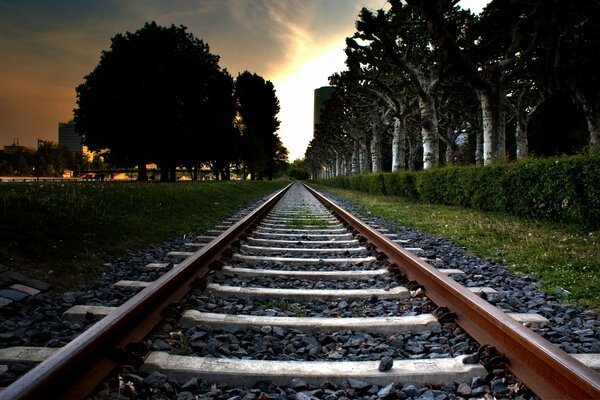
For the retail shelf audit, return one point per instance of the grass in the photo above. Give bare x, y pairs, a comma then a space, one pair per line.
283, 305
562, 256
64, 232
308, 222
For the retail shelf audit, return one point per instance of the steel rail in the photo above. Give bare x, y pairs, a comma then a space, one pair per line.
543, 367
76, 369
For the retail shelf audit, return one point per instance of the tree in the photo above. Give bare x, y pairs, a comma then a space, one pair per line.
221, 147
484, 57
297, 170
258, 107
54, 159
148, 99
576, 48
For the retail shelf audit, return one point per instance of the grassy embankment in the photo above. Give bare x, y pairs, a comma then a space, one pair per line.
562, 256
64, 232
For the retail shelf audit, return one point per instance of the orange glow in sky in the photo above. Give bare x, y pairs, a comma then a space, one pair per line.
47, 46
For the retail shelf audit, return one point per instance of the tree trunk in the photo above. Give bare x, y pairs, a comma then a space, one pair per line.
142, 172
398, 144
429, 132
487, 116
355, 158
413, 150
478, 146
521, 136
339, 165
493, 117
376, 150
362, 155
368, 161
501, 144
593, 123
449, 153
591, 110
347, 165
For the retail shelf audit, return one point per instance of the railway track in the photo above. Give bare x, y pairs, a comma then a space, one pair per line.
315, 303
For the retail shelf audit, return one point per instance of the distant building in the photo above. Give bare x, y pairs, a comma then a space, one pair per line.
68, 138
322, 94
17, 148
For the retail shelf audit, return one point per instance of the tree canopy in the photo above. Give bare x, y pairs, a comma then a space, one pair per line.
429, 83
159, 96
258, 106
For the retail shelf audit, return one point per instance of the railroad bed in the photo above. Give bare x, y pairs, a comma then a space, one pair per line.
301, 305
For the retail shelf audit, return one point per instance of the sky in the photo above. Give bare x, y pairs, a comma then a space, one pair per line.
48, 46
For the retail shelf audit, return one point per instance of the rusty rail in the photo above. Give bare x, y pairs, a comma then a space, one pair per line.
544, 368
76, 369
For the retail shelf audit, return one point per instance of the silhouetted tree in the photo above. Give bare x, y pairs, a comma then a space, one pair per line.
219, 147
149, 99
257, 110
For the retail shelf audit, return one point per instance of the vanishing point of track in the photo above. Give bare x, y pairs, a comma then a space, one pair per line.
76, 369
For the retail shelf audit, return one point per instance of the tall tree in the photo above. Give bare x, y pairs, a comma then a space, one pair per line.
485, 57
148, 98
398, 38
258, 107
221, 147
577, 56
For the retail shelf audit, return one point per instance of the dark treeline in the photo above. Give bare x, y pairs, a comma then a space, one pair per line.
159, 96
428, 83
49, 160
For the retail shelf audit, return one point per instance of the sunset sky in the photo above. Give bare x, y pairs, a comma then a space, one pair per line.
47, 46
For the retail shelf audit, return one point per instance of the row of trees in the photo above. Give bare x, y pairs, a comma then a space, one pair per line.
50, 160
159, 96
428, 83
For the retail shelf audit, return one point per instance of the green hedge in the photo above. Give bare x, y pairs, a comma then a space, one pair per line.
563, 189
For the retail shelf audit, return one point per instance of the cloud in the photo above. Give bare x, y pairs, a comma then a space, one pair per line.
47, 46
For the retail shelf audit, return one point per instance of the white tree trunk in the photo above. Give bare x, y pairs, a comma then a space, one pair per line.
479, 147
363, 156
592, 117
521, 137
376, 159
429, 133
494, 130
339, 162
501, 143
398, 144
487, 116
593, 123
355, 158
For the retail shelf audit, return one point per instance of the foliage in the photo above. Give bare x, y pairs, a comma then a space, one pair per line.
49, 160
65, 232
263, 153
561, 189
297, 171
436, 81
156, 96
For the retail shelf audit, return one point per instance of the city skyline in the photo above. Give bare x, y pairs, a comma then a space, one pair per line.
46, 48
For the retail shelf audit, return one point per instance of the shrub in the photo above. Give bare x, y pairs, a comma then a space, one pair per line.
562, 189
374, 183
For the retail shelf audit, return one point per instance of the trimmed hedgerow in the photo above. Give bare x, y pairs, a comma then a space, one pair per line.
403, 185
563, 189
